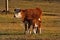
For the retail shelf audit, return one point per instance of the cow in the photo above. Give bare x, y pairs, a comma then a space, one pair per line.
30, 17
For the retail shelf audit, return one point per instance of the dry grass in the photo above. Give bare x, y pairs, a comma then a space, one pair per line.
13, 29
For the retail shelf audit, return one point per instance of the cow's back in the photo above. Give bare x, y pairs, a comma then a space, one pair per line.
33, 13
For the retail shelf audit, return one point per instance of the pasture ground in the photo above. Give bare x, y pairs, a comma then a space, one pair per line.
13, 29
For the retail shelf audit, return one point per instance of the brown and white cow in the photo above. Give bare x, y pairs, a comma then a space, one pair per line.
30, 17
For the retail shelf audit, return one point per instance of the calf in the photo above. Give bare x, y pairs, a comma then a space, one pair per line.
30, 17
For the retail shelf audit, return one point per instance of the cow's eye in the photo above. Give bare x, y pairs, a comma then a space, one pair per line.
17, 10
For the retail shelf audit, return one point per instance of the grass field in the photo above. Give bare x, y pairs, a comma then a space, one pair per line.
13, 29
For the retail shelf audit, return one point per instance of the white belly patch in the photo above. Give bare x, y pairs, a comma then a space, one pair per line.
39, 19
36, 25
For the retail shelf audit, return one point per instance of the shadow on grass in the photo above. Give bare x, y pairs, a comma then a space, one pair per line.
50, 15
6, 33
11, 22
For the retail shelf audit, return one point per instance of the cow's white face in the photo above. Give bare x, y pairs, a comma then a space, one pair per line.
18, 15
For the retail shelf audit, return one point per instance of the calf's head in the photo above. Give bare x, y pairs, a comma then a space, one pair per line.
19, 13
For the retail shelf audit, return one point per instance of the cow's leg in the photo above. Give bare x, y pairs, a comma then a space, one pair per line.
39, 30
26, 26
35, 28
29, 25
